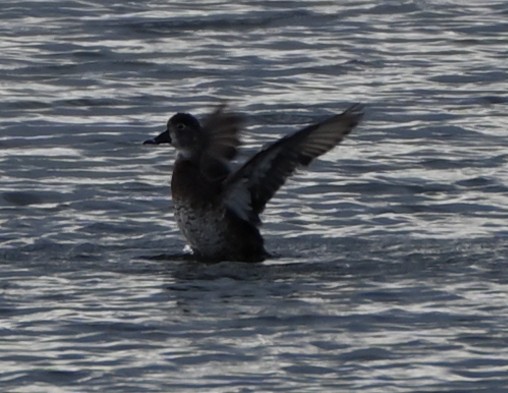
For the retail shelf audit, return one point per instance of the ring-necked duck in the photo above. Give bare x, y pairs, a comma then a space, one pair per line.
216, 209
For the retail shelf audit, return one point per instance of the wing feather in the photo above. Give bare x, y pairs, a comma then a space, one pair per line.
222, 130
249, 188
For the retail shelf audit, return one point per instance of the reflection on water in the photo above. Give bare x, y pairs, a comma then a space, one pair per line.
389, 253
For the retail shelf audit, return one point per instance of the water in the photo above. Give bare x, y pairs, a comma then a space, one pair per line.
391, 251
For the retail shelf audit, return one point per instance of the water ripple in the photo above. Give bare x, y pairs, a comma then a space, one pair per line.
389, 253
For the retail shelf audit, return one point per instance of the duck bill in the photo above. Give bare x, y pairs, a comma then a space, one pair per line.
163, 137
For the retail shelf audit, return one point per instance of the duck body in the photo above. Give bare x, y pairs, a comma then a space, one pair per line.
212, 230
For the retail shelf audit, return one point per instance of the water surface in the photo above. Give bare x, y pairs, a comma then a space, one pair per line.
390, 252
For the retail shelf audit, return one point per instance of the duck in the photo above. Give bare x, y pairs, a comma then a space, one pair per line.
216, 208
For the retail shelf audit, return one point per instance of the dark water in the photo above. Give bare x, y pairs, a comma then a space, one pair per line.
390, 273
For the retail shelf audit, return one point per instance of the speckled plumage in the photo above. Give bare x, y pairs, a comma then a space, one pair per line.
213, 232
217, 210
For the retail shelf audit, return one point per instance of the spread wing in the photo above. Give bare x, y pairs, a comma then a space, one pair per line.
222, 129
249, 189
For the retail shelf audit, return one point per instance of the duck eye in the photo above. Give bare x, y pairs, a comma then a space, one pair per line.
180, 126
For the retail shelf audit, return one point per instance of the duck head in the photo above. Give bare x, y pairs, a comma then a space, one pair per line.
184, 132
